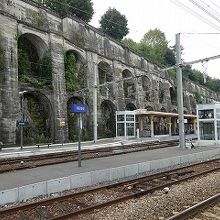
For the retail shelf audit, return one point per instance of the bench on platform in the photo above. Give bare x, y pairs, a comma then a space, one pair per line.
44, 144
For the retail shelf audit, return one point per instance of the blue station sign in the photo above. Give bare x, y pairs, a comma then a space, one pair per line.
78, 108
22, 123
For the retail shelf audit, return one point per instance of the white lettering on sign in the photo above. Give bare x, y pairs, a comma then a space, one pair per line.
80, 108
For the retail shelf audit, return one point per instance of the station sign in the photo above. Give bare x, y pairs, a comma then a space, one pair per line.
185, 121
22, 123
78, 108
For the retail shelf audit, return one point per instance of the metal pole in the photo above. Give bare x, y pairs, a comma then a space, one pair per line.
22, 120
180, 92
95, 104
79, 143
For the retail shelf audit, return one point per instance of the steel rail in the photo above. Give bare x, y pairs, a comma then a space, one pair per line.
125, 198
140, 180
98, 153
190, 212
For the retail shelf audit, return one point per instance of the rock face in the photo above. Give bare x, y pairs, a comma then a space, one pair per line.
101, 61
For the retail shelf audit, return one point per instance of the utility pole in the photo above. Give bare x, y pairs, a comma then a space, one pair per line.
95, 87
180, 92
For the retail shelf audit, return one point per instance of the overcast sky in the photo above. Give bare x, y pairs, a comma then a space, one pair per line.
143, 15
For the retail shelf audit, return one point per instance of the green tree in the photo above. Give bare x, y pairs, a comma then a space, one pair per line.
213, 84
82, 9
132, 45
60, 7
155, 47
114, 24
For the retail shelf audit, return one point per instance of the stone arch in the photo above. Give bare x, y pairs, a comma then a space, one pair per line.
173, 95
130, 107
75, 71
105, 75
161, 92
174, 110
149, 108
38, 42
128, 84
146, 86
34, 61
107, 123
38, 113
72, 119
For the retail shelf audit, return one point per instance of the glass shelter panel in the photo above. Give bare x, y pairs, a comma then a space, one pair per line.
130, 129
218, 113
206, 114
207, 130
120, 129
218, 129
120, 117
129, 117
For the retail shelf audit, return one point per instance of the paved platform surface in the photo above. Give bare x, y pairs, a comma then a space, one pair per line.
24, 177
108, 142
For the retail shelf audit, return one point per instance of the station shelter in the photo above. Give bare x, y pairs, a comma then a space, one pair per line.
144, 123
208, 117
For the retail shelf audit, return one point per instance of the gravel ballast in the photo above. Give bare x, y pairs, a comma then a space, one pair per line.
159, 205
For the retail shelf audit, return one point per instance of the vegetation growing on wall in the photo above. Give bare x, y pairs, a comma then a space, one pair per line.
2, 59
197, 97
37, 114
38, 18
83, 9
79, 39
72, 81
2, 64
32, 69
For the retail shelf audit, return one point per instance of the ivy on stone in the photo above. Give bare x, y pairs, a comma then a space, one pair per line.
2, 59
32, 71
72, 81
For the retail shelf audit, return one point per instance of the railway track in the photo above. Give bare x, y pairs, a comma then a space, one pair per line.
12, 164
207, 209
73, 205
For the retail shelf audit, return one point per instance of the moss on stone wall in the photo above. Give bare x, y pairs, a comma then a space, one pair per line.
2, 59
32, 70
72, 81
38, 18
2, 64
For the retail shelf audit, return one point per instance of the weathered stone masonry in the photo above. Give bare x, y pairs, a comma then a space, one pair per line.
99, 55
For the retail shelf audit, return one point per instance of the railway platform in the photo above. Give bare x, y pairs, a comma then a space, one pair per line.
11, 152
24, 184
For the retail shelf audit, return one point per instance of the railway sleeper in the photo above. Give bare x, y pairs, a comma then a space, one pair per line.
43, 212
129, 186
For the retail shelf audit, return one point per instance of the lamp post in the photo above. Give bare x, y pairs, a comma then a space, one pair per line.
21, 94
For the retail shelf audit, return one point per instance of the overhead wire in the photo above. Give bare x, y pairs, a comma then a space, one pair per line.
70, 6
210, 7
195, 14
205, 10
180, 4
217, 6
